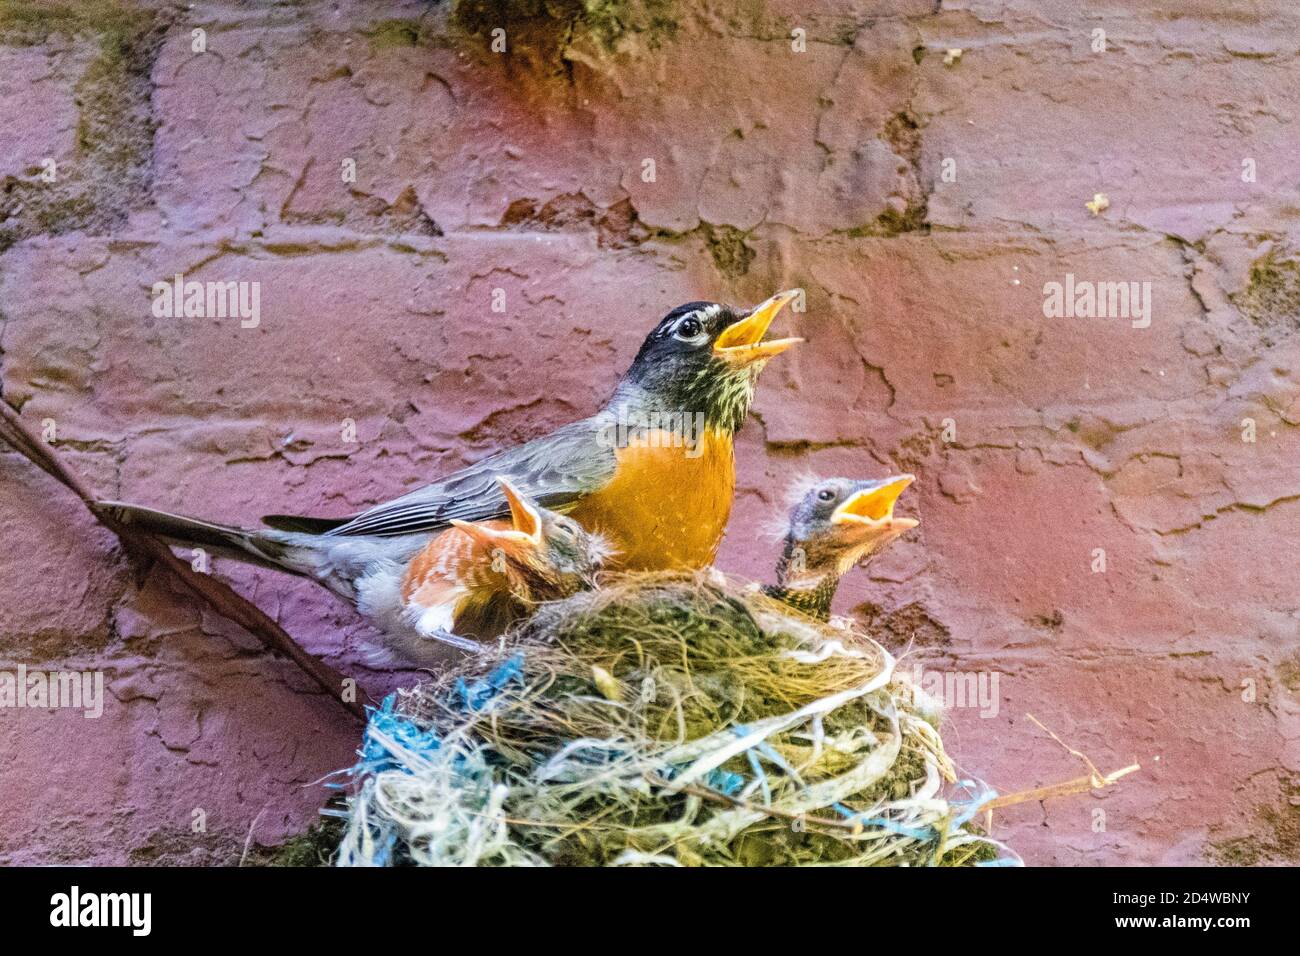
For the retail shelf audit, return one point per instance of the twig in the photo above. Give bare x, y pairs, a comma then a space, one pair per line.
219, 596
1094, 780
1092, 767
1068, 788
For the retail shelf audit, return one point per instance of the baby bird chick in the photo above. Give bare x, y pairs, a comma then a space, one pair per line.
838, 523
474, 579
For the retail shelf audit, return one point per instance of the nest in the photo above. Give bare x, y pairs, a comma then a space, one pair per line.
664, 720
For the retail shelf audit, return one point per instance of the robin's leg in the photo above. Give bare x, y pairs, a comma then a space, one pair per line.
455, 640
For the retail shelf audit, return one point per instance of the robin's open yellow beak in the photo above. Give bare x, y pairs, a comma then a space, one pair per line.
741, 343
873, 506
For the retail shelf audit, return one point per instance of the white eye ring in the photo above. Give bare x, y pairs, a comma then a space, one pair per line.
698, 335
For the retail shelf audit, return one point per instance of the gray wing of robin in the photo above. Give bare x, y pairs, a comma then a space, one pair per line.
555, 471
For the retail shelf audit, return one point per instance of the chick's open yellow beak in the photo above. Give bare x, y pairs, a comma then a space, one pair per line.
742, 342
525, 529
875, 505
522, 513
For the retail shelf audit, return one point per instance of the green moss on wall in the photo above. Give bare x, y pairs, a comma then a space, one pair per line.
111, 170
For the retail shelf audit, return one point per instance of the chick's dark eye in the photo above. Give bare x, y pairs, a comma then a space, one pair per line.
826, 494
689, 329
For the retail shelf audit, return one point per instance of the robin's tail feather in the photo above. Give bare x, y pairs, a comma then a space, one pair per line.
255, 547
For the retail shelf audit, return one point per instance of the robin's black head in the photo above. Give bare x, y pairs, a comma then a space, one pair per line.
704, 357
836, 523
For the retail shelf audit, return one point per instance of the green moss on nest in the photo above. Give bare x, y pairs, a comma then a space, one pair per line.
681, 719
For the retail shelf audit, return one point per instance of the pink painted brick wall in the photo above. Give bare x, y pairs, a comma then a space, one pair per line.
523, 172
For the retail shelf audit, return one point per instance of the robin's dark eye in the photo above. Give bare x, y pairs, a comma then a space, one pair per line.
688, 329
826, 494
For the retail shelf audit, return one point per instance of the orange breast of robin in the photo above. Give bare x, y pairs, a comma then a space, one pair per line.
667, 505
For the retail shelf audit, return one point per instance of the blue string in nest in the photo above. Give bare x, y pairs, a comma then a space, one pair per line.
385, 722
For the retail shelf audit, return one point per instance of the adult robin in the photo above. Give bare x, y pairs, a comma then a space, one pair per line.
837, 523
653, 472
